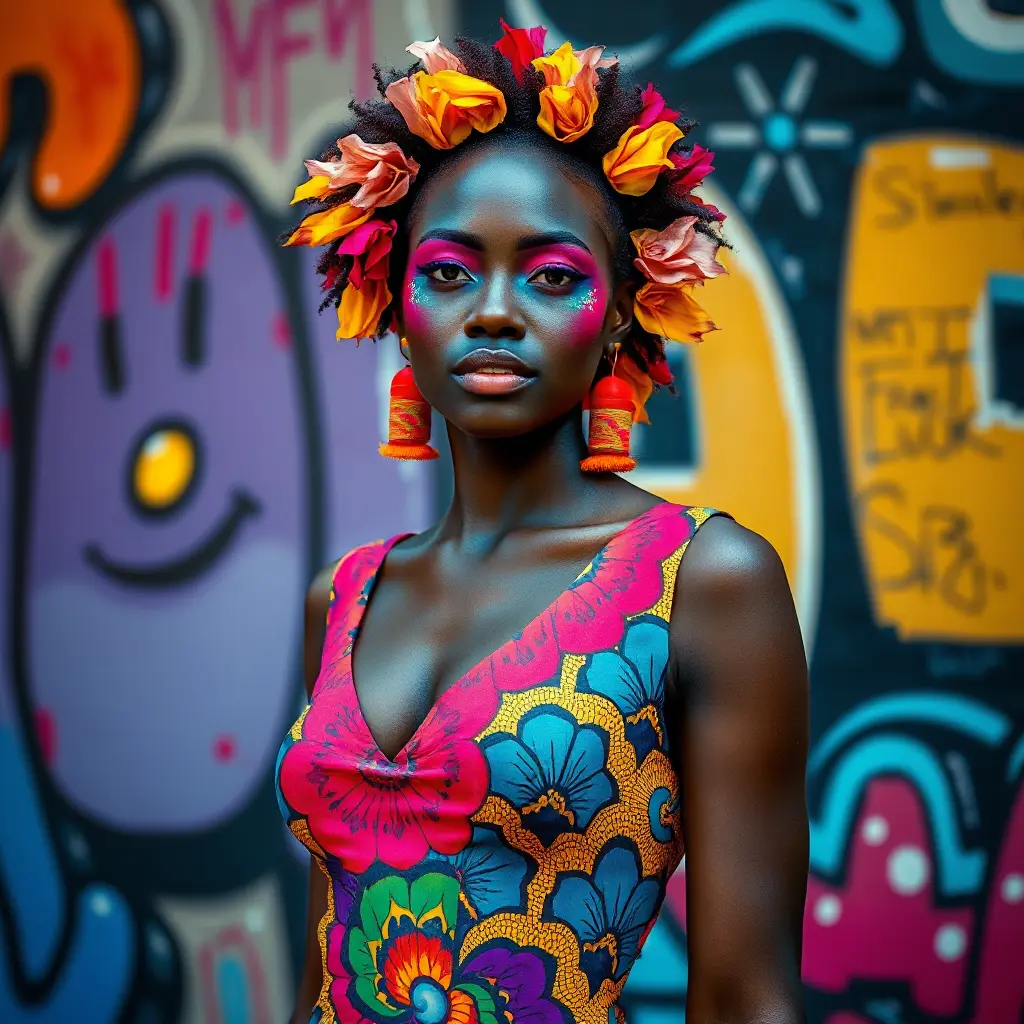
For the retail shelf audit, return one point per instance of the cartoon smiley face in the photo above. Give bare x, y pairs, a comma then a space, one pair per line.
168, 527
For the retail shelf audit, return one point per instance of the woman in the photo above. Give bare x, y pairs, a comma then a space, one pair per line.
493, 820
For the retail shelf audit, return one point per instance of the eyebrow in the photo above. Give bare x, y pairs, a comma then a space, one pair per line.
474, 242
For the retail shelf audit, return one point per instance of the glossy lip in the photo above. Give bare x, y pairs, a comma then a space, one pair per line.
484, 360
187, 566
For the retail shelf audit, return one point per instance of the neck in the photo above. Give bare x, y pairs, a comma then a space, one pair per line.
534, 480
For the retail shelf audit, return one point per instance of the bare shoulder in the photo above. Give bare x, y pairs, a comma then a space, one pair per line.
726, 562
733, 618
318, 595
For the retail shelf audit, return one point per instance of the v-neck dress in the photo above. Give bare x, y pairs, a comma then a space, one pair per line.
509, 863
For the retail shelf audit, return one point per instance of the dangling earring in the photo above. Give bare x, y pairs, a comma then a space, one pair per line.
408, 419
611, 420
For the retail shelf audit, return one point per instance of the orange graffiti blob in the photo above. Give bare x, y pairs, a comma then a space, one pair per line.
87, 57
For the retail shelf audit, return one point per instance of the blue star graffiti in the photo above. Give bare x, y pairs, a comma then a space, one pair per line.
776, 133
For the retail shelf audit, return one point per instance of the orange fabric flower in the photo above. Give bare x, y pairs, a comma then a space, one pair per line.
671, 311
443, 108
640, 155
676, 254
435, 56
366, 294
382, 169
568, 100
639, 383
328, 225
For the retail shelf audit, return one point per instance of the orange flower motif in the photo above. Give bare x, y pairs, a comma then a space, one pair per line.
640, 155
382, 170
443, 108
435, 56
670, 310
328, 225
676, 254
568, 100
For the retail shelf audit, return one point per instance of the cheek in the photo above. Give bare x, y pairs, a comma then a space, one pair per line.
585, 314
418, 312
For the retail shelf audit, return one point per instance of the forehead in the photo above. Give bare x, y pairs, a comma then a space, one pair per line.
495, 193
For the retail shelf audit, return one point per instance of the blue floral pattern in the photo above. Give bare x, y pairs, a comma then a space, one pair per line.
554, 771
609, 912
633, 678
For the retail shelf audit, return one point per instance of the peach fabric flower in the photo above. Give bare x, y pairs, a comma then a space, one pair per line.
382, 170
445, 107
328, 225
521, 46
366, 294
654, 108
671, 311
676, 254
435, 56
632, 166
568, 100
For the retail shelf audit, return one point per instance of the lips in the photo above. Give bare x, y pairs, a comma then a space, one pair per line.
492, 372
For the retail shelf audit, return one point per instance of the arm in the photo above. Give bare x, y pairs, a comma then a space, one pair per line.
317, 599
740, 724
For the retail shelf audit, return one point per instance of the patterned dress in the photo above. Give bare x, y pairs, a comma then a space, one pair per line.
509, 863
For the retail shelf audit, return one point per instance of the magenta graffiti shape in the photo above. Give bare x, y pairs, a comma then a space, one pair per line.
169, 514
884, 924
258, 42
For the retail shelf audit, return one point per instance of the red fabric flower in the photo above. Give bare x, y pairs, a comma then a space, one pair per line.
654, 108
520, 46
624, 579
690, 168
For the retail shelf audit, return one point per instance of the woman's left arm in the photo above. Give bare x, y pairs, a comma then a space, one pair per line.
739, 715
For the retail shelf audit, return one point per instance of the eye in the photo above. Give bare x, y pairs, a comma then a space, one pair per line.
447, 273
557, 278
163, 468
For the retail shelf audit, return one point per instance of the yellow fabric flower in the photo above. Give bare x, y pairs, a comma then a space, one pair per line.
328, 225
633, 165
445, 107
671, 311
360, 309
568, 100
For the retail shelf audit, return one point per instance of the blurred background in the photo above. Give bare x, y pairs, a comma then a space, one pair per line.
182, 443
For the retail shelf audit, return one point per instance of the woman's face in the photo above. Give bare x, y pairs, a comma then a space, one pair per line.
508, 300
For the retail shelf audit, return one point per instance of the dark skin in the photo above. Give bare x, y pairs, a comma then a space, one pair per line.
523, 523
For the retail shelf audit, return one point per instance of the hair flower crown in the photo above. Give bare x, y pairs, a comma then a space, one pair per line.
441, 103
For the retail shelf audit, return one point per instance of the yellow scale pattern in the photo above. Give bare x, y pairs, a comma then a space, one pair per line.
628, 816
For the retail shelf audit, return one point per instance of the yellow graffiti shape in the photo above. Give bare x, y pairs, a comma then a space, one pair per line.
934, 296
87, 57
756, 450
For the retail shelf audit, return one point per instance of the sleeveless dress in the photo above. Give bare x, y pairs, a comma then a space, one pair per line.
508, 864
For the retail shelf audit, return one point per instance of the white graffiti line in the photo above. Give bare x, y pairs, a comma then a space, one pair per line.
976, 21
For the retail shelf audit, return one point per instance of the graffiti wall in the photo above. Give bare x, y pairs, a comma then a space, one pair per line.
182, 443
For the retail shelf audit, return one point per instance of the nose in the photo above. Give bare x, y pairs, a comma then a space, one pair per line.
496, 315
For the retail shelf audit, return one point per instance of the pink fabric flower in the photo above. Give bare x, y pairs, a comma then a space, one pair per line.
369, 245
520, 46
677, 254
383, 171
435, 56
691, 168
654, 109
624, 579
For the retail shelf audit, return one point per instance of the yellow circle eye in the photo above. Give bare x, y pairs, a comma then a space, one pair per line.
164, 467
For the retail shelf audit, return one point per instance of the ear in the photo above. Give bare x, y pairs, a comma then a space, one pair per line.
619, 320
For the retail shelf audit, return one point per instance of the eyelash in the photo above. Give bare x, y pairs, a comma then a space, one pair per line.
574, 276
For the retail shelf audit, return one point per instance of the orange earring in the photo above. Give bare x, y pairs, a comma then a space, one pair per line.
611, 422
408, 421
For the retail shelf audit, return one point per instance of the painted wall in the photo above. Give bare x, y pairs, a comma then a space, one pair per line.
863, 406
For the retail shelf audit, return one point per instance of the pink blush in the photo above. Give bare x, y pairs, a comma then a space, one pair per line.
586, 312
